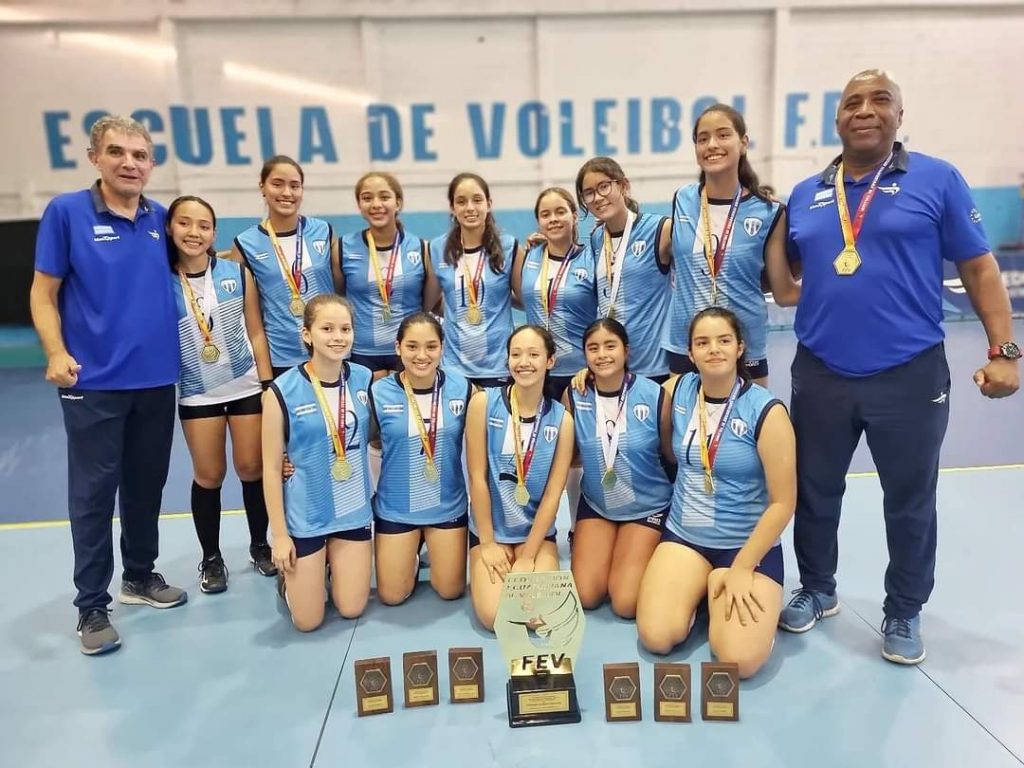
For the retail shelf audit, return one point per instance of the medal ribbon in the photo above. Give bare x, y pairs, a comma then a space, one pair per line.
549, 293
190, 297
292, 274
610, 442
709, 451
613, 259
384, 280
428, 439
336, 431
716, 259
852, 231
523, 460
472, 282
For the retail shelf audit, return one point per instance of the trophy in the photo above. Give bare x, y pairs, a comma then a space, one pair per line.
373, 686
466, 675
671, 692
539, 626
622, 692
720, 691
420, 672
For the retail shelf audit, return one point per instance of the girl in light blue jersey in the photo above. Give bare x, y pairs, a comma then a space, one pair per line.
471, 268
727, 233
625, 489
383, 271
556, 284
420, 415
518, 450
734, 494
319, 414
224, 357
633, 253
292, 258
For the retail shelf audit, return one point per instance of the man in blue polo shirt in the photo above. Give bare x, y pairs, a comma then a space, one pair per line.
871, 233
102, 305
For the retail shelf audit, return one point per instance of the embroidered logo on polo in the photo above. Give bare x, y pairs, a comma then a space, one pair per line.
752, 225
102, 229
155, 234
229, 285
739, 427
638, 248
581, 274
550, 433
320, 246
457, 407
975, 216
414, 257
361, 396
892, 189
641, 412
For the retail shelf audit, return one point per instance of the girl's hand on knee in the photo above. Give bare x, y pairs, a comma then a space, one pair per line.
496, 558
738, 586
282, 552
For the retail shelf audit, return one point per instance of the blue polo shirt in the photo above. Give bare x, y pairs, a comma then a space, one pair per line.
116, 305
890, 309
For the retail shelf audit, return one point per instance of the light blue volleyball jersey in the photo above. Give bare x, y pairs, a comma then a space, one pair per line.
642, 300
283, 329
575, 305
373, 334
404, 495
225, 313
315, 504
512, 523
475, 351
725, 518
739, 282
641, 486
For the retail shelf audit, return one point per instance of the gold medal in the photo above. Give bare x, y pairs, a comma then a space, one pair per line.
430, 472
473, 315
210, 353
608, 479
522, 495
847, 262
385, 314
342, 470
709, 483
297, 306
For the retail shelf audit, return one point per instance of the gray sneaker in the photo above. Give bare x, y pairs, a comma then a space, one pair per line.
153, 591
97, 633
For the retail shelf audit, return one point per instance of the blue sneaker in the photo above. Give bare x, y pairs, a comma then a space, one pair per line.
806, 608
902, 643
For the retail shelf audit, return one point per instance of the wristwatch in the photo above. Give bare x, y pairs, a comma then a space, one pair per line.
1009, 350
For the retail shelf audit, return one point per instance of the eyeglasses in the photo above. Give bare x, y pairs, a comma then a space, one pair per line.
603, 189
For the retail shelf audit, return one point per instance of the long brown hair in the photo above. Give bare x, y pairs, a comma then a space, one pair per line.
748, 179
609, 168
492, 237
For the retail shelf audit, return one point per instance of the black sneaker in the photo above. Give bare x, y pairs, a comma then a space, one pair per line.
259, 556
97, 633
215, 575
152, 591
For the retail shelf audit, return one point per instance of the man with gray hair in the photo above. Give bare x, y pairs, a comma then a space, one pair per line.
103, 308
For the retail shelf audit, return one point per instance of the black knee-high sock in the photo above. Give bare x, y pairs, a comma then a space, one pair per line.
206, 516
255, 510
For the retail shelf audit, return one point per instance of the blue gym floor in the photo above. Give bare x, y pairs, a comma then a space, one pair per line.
226, 681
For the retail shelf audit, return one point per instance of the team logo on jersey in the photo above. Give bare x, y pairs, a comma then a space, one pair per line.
155, 234
581, 274
752, 225
457, 407
320, 246
414, 257
393, 408
550, 433
361, 396
641, 412
305, 410
739, 427
584, 406
892, 189
638, 248
260, 256
229, 285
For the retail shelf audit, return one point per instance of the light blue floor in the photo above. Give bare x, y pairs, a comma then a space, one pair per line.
225, 680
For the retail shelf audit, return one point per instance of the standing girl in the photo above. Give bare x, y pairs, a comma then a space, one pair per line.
734, 494
519, 446
223, 359
292, 257
728, 232
556, 283
472, 265
319, 414
626, 492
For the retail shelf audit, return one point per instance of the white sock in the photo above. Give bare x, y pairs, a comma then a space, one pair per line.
572, 490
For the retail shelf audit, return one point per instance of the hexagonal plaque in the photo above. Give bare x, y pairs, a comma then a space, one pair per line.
720, 691
622, 692
671, 692
466, 675
373, 686
420, 672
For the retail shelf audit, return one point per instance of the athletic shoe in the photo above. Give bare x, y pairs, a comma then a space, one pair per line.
152, 591
97, 633
215, 575
902, 643
262, 562
804, 610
